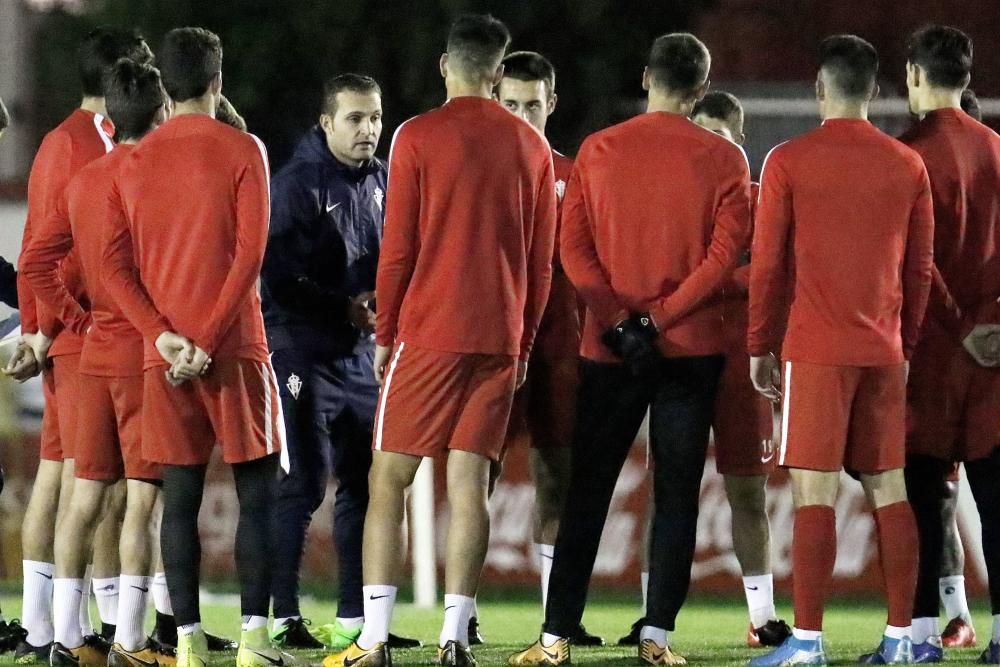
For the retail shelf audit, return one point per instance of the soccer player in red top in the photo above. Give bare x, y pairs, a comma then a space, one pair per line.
656, 216
463, 279
83, 137
954, 387
109, 446
185, 236
844, 232
543, 408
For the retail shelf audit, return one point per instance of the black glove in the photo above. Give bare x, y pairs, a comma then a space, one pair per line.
634, 341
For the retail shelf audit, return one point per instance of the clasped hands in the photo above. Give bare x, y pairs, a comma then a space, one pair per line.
187, 360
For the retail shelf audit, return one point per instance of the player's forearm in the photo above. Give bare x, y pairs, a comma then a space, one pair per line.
26, 305
55, 299
239, 282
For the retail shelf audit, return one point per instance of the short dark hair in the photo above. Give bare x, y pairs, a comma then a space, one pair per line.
530, 66
722, 106
679, 61
970, 104
4, 117
356, 83
227, 113
851, 62
134, 95
190, 59
944, 53
101, 49
476, 44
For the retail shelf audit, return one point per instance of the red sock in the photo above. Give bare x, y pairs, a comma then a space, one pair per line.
814, 551
897, 546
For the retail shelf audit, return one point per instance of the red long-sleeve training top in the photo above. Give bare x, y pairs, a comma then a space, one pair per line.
962, 157
559, 331
185, 237
466, 258
656, 215
845, 227
83, 137
112, 347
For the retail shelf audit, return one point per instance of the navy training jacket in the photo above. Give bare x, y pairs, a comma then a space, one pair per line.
322, 249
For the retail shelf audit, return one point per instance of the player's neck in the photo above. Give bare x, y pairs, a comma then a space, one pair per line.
664, 102
845, 110
940, 98
94, 105
463, 89
204, 105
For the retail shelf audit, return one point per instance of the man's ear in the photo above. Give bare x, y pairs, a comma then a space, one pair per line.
497, 76
875, 90
702, 90
647, 78
552, 104
740, 138
443, 65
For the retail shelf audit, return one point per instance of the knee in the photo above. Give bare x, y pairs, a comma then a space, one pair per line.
885, 488
746, 494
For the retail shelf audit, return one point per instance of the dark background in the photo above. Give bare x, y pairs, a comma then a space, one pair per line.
277, 53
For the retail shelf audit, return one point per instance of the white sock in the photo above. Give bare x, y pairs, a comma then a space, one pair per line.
36, 601
644, 578
66, 597
996, 627
379, 602
475, 607
759, 590
251, 623
189, 629
457, 610
351, 623
106, 591
807, 635
161, 596
278, 622
658, 635
86, 625
548, 640
923, 629
953, 598
131, 611
545, 553
897, 632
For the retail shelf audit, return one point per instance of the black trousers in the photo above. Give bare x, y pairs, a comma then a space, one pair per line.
611, 405
926, 488
329, 408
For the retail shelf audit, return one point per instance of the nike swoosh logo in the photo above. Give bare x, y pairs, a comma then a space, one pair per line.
109, 587
656, 657
767, 459
330, 208
144, 590
548, 556
451, 607
47, 576
136, 659
276, 662
551, 656
373, 597
753, 588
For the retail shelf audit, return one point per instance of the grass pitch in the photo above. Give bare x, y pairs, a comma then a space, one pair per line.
709, 631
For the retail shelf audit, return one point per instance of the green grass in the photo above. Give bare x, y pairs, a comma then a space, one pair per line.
709, 631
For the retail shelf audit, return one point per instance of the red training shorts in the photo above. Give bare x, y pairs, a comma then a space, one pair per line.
62, 395
953, 403
236, 405
743, 427
432, 402
843, 416
110, 430
543, 411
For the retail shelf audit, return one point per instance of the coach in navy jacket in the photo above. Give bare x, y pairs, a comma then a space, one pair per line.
318, 281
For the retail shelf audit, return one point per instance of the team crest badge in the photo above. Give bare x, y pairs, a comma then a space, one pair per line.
560, 189
294, 385
378, 196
